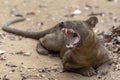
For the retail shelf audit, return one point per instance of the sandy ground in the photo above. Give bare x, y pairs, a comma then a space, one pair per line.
21, 61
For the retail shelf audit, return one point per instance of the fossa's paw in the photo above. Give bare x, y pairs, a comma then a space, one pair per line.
103, 69
88, 72
41, 50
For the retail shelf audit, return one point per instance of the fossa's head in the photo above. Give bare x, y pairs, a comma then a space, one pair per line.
76, 32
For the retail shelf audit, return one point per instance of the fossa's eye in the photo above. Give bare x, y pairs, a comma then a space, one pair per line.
62, 24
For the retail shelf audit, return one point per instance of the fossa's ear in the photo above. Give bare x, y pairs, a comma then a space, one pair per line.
92, 21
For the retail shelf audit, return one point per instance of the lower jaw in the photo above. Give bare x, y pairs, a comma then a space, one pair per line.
70, 46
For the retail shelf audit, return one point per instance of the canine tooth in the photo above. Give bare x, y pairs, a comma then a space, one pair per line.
72, 30
69, 46
66, 30
63, 29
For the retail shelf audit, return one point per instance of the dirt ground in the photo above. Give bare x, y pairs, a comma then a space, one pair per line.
21, 61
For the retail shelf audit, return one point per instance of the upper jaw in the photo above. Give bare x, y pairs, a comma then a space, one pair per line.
73, 37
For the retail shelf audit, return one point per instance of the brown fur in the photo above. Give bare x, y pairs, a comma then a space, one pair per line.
84, 58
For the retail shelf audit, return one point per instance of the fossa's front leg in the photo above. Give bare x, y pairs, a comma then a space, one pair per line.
41, 50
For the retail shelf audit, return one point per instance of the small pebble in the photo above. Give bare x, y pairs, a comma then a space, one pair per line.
77, 11
3, 58
11, 37
118, 39
2, 52
28, 19
117, 67
20, 52
30, 13
27, 54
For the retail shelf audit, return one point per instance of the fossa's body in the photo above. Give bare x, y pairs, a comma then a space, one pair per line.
79, 47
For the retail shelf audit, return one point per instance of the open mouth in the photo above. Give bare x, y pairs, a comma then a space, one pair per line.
72, 36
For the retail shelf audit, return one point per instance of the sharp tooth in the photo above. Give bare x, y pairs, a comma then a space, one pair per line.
72, 30
69, 46
63, 29
66, 30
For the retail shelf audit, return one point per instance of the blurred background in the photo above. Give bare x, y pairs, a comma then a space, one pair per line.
40, 15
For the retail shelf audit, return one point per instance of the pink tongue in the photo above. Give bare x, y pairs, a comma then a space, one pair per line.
73, 42
77, 39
